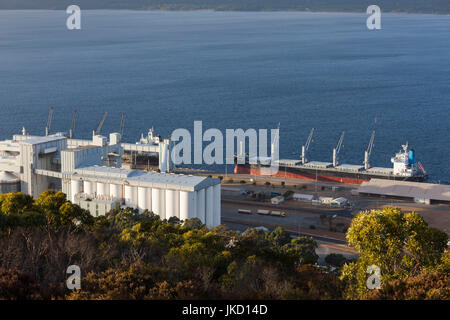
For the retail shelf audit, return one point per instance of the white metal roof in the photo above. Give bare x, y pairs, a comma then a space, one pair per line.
45, 139
302, 196
406, 189
143, 178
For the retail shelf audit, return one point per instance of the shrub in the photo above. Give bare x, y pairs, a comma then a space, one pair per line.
335, 260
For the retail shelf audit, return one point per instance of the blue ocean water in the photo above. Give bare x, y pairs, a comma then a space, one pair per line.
236, 70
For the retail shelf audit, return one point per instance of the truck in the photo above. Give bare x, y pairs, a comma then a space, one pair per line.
244, 211
278, 213
263, 212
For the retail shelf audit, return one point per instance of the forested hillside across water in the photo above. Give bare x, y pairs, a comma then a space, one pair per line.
409, 6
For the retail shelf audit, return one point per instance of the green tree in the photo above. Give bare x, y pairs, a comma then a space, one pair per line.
193, 223
50, 202
335, 260
401, 245
73, 214
444, 265
15, 203
425, 286
278, 237
303, 249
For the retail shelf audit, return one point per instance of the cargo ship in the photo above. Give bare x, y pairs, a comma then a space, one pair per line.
404, 167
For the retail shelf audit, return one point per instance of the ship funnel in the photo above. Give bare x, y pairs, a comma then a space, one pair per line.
411, 157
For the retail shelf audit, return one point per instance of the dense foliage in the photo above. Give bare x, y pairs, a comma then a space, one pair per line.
404, 248
423, 6
127, 255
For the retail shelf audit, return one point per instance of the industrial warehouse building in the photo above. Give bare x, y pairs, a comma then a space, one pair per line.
89, 173
420, 192
100, 189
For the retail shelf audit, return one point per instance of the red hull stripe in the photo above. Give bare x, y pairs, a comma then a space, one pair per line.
288, 175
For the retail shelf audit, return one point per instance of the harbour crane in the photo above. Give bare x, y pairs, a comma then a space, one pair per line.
49, 121
72, 128
305, 147
368, 152
122, 124
100, 125
337, 150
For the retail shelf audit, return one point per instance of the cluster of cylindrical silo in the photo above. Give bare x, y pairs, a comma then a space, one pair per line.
203, 204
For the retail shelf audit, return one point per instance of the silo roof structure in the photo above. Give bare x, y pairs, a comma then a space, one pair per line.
143, 178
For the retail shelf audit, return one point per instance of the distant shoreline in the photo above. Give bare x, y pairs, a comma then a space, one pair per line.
240, 11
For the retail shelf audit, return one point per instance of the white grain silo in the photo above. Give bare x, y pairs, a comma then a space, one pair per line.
184, 205
177, 203
88, 187
142, 199
156, 201
75, 188
170, 203
130, 196
149, 199
209, 207
102, 189
162, 200
201, 205
115, 191
187, 205
166, 195
217, 205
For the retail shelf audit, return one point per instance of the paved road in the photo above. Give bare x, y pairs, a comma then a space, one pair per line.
242, 225
300, 209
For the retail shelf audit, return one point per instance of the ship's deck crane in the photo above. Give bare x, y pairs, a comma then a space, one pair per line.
72, 128
49, 121
369, 151
337, 150
305, 147
100, 125
122, 124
